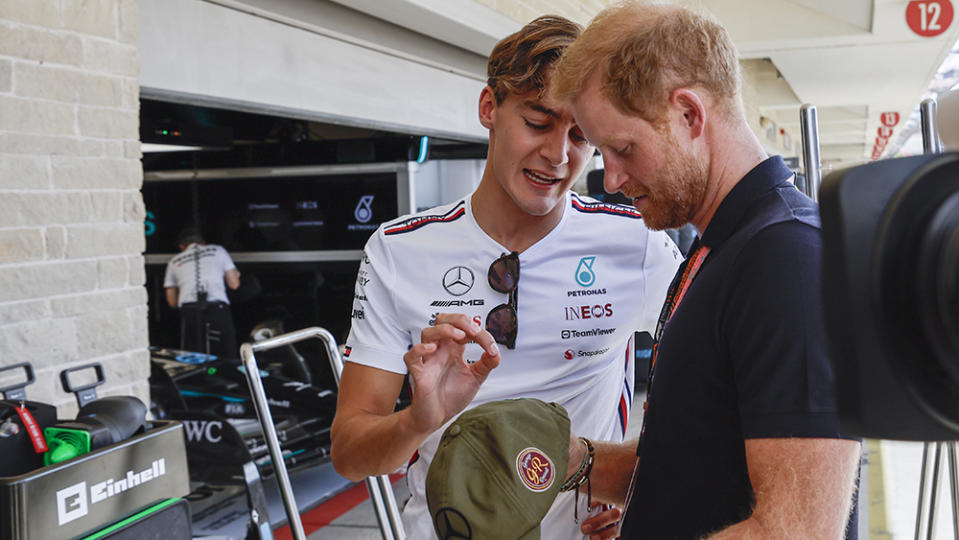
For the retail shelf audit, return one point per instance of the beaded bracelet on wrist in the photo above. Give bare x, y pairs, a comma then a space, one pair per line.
580, 477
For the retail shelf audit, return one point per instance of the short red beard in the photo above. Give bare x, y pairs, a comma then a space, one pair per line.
679, 189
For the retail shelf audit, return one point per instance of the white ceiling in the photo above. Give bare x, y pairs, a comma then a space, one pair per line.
852, 59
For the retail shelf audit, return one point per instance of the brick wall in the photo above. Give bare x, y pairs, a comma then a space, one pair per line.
71, 213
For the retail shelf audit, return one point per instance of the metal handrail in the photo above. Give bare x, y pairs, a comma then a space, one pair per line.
381, 491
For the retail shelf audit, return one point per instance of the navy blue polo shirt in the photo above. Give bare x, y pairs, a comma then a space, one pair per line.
743, 356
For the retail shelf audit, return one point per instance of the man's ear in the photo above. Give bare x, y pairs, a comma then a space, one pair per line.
686, 103
487, 108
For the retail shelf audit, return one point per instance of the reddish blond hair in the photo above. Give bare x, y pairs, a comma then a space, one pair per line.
521, 61
642, 52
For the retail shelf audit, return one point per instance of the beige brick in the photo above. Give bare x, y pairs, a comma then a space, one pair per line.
24, 172
36, 12
21, 245
108, 123
129, 22
103, 332
138, 320
131, 149
114, 149
133, 209
40, 45
32, 281
108, 206
100, 240
44, 208
113, 273
44, 343
122, 370
78, 304
46, 82
79, 173
17, 312
129, 93
68, 85
96, 17
111, 57
138, 275
47, 145
6, 75
56, 238
30, 116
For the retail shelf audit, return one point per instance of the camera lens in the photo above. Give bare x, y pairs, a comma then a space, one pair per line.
918, 273
938, 269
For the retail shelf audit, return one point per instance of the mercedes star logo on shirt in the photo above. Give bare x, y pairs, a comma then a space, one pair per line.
458, 280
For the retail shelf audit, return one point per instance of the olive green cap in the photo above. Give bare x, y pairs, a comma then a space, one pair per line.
498, 469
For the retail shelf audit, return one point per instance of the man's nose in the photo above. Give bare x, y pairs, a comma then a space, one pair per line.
556, 150
613, 177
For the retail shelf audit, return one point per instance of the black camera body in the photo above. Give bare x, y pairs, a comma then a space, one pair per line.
891, 295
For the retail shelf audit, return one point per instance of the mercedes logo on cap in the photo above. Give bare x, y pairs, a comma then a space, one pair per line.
458, 280
451, 524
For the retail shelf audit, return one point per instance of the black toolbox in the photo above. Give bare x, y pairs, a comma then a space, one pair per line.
81, 496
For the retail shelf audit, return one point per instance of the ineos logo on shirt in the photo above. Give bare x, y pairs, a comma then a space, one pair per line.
588, 312
458, 280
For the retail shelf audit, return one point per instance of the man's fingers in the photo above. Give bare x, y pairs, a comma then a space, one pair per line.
471, 328
487, 363
439, 332
602, 525
414, 356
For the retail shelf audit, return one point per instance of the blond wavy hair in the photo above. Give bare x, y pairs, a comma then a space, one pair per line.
521, 62
643, 51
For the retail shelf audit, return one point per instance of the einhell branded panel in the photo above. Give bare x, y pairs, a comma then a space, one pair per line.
85, 494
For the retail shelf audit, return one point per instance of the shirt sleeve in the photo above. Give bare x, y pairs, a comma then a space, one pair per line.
377, 338
776, 336
225, 260
659, 266
169, 280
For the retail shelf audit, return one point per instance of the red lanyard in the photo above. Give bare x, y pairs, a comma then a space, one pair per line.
675, 295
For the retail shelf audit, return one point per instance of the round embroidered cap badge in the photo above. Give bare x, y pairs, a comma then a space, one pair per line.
535, 469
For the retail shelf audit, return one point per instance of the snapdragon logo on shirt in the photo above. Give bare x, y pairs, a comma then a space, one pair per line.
74, 502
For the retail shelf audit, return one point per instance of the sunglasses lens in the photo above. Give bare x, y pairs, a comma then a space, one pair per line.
503, 274
501, 324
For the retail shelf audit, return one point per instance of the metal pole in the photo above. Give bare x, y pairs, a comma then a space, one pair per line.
381, 490
809, 127
954, 487
269, 432
930, 133
933, 491
926, 447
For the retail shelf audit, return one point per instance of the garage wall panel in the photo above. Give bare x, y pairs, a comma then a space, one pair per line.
207, 53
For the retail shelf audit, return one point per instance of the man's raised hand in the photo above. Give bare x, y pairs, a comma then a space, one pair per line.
444, 384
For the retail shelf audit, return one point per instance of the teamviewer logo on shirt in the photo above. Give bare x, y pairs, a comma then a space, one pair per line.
71, 503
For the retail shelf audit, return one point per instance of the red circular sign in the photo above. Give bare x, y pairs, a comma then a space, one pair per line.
929, 18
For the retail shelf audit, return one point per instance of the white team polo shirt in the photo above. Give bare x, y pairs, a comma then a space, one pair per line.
583, 290
213, 261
